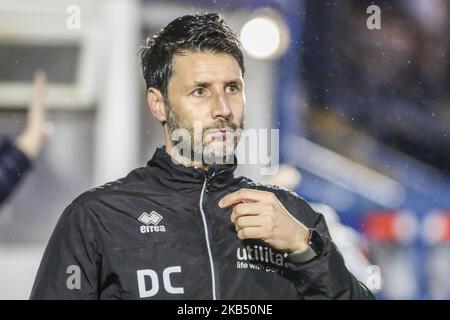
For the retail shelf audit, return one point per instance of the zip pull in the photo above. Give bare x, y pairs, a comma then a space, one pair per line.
208, 179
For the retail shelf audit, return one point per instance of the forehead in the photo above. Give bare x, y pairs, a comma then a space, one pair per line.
203, 66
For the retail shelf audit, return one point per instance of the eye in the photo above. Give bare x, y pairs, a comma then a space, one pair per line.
232, 88
199, 92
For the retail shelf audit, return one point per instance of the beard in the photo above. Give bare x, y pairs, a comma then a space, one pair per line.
198, 144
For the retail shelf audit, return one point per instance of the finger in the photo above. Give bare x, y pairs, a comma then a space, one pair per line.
245, 209
248, 221
251, 233
39, 87
244, 194
37, 103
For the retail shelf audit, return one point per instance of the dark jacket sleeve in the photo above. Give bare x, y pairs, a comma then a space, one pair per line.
325, 276
13, 165
70, 266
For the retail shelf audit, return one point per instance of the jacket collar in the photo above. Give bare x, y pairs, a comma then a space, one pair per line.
217, 176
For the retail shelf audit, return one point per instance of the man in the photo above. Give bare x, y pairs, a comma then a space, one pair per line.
16, 157
183, 227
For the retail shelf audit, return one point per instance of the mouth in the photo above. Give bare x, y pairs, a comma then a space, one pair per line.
220, 132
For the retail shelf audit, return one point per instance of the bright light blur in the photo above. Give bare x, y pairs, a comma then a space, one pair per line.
264, 37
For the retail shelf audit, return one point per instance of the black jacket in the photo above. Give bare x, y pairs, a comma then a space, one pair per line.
158, 233
13, 165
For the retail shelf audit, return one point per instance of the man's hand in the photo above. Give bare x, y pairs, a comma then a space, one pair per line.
32, 138
260, 215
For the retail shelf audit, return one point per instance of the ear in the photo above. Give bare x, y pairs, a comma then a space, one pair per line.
155, 102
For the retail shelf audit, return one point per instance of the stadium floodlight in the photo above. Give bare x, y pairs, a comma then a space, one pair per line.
265, 36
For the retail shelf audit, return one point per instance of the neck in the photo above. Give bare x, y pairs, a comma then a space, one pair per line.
184, 160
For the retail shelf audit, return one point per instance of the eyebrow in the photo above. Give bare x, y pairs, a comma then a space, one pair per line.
206, 84
203, 84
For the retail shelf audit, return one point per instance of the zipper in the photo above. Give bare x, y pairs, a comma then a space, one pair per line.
205, 226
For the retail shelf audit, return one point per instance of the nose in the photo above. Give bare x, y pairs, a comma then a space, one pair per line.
222, 107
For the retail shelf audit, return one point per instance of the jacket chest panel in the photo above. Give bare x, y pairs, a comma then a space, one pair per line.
164, 269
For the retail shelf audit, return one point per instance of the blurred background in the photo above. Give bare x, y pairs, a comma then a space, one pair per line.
362, 107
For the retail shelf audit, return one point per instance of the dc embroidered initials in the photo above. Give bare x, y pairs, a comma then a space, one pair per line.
145, 292
74, 280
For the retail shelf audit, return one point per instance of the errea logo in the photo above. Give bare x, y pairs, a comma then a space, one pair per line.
151, 221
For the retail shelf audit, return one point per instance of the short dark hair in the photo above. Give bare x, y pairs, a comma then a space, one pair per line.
204, 32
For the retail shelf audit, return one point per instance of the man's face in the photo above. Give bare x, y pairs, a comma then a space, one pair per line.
206, 90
